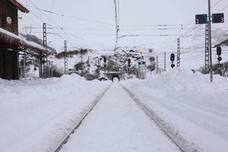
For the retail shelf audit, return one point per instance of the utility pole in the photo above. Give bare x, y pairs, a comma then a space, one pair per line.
209, 37
24, 64
40, 65
42, 58
49, 69
117, 23
65, 58
207, 48
208, 19
52, 70
178, 52
81, 61
62, 21
165, 61
157, 68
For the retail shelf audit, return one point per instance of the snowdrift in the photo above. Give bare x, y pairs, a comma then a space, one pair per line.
35, 115
195, 108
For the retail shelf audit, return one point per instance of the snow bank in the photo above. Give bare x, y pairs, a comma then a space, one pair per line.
35, 115
196, 108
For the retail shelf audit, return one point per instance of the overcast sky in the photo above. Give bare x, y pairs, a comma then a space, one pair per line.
91, 24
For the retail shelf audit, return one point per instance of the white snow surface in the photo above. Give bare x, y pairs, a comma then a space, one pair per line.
37, 114
117, 124
188, 102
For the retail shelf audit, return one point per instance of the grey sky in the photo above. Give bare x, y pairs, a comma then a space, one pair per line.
82, 27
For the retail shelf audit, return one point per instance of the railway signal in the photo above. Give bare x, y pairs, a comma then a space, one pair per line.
209, 19
129, 62
172, 58
219, 59
105, 60
172, 65
219, 53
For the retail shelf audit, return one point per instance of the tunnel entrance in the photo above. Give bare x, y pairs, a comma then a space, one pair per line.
115, 78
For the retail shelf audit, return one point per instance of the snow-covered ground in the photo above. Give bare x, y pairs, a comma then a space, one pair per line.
188, 102
117, 124
36, 114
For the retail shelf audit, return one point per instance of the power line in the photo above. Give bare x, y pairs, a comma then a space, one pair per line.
73, 28
157, 25
194, 56
128, 35
75, 17
70, 35
111, 29
223, 8
93, 34
62, 31
218, 2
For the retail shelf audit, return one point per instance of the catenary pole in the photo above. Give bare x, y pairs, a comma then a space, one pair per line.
157, 66
117, 23
209, 36
165, 61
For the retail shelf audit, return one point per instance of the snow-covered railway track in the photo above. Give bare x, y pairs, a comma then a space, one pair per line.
173, 134
117, 124
65, 139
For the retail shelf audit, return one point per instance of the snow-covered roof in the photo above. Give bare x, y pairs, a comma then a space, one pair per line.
223, 43
15, 41
19, 6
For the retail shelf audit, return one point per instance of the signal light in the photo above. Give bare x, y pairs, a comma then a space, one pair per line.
219, 58
172, 65
172, 57
129, 62
219, 51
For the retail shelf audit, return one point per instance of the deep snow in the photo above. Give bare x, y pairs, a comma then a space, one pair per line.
117, 124
196, 108
36, 114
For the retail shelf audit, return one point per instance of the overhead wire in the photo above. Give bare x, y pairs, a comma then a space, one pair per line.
157, 27
72, 37
223, 8
74, 17
215, 4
